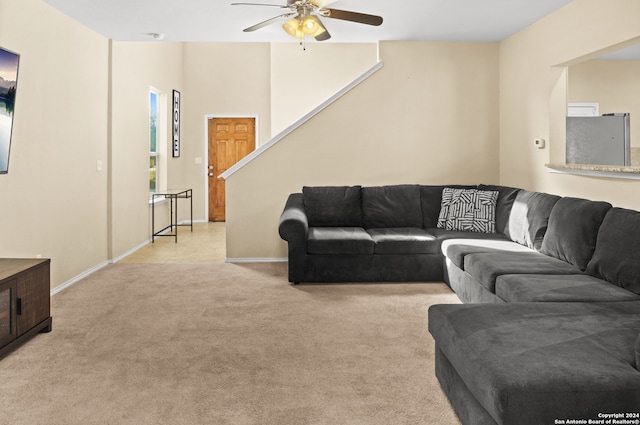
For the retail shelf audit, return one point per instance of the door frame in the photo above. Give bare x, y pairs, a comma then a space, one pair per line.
205, 160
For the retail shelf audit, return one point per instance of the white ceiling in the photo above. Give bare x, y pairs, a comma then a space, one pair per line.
218, 21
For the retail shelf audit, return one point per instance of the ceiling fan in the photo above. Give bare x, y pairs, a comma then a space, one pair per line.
305, 18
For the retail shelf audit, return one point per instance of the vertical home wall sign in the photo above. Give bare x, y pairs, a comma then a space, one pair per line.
176, 123
8, 83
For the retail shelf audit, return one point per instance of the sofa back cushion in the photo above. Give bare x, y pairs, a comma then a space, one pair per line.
431, 199
506, 198
529, 217
617, 255
333, 206
391, 206
573, 229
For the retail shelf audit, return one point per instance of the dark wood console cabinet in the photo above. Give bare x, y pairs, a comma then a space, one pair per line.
25, 303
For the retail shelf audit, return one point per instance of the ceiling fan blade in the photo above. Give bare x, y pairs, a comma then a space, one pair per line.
324, 35
345, 15
267, 22
260, 4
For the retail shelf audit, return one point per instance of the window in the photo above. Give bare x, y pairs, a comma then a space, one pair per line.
153, 142
158, 129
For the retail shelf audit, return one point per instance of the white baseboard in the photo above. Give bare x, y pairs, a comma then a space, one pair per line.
92, 270
131, 251
255, 260
78, 278
148, 241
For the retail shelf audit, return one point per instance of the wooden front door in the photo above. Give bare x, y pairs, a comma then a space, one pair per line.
230, 140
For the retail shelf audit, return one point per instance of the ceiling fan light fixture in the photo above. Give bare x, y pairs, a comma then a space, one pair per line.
293, 28
306, 18
311, 26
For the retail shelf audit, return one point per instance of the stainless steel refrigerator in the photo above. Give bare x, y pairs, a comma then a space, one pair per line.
600, 140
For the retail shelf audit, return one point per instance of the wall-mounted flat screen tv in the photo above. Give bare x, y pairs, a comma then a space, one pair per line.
8, 84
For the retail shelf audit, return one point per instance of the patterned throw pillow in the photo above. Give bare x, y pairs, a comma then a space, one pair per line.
469, 210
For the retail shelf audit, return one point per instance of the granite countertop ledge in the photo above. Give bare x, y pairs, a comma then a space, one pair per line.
616, 171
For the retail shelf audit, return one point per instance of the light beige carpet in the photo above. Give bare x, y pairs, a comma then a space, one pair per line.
228, 344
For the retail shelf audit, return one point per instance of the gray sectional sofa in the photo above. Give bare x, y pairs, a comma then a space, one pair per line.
550, 329
367, 234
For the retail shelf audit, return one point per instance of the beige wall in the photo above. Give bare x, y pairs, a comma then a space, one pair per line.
221, 79
428, 116
257, 80
136, 67
303, 79
526, 77
614, 84
53, 200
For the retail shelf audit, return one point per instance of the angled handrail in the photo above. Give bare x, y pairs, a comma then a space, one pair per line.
256, 153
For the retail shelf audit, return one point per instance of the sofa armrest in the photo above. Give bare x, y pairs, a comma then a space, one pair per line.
294, 225
294, 228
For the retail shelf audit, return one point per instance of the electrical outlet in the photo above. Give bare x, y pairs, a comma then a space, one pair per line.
539, 143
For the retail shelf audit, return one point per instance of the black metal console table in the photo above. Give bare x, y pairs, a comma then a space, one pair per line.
173, 195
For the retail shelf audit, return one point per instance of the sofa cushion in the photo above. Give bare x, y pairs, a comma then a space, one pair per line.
391, 206
533, 363
443, 235
405, 240
431, 199
529, 217
506, 198
573, 229
487, 266
617, 255
333, 206
339, 241
470, 210
456, 249
557, 288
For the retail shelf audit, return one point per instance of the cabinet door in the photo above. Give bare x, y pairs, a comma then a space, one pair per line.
7, 313
33, 300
